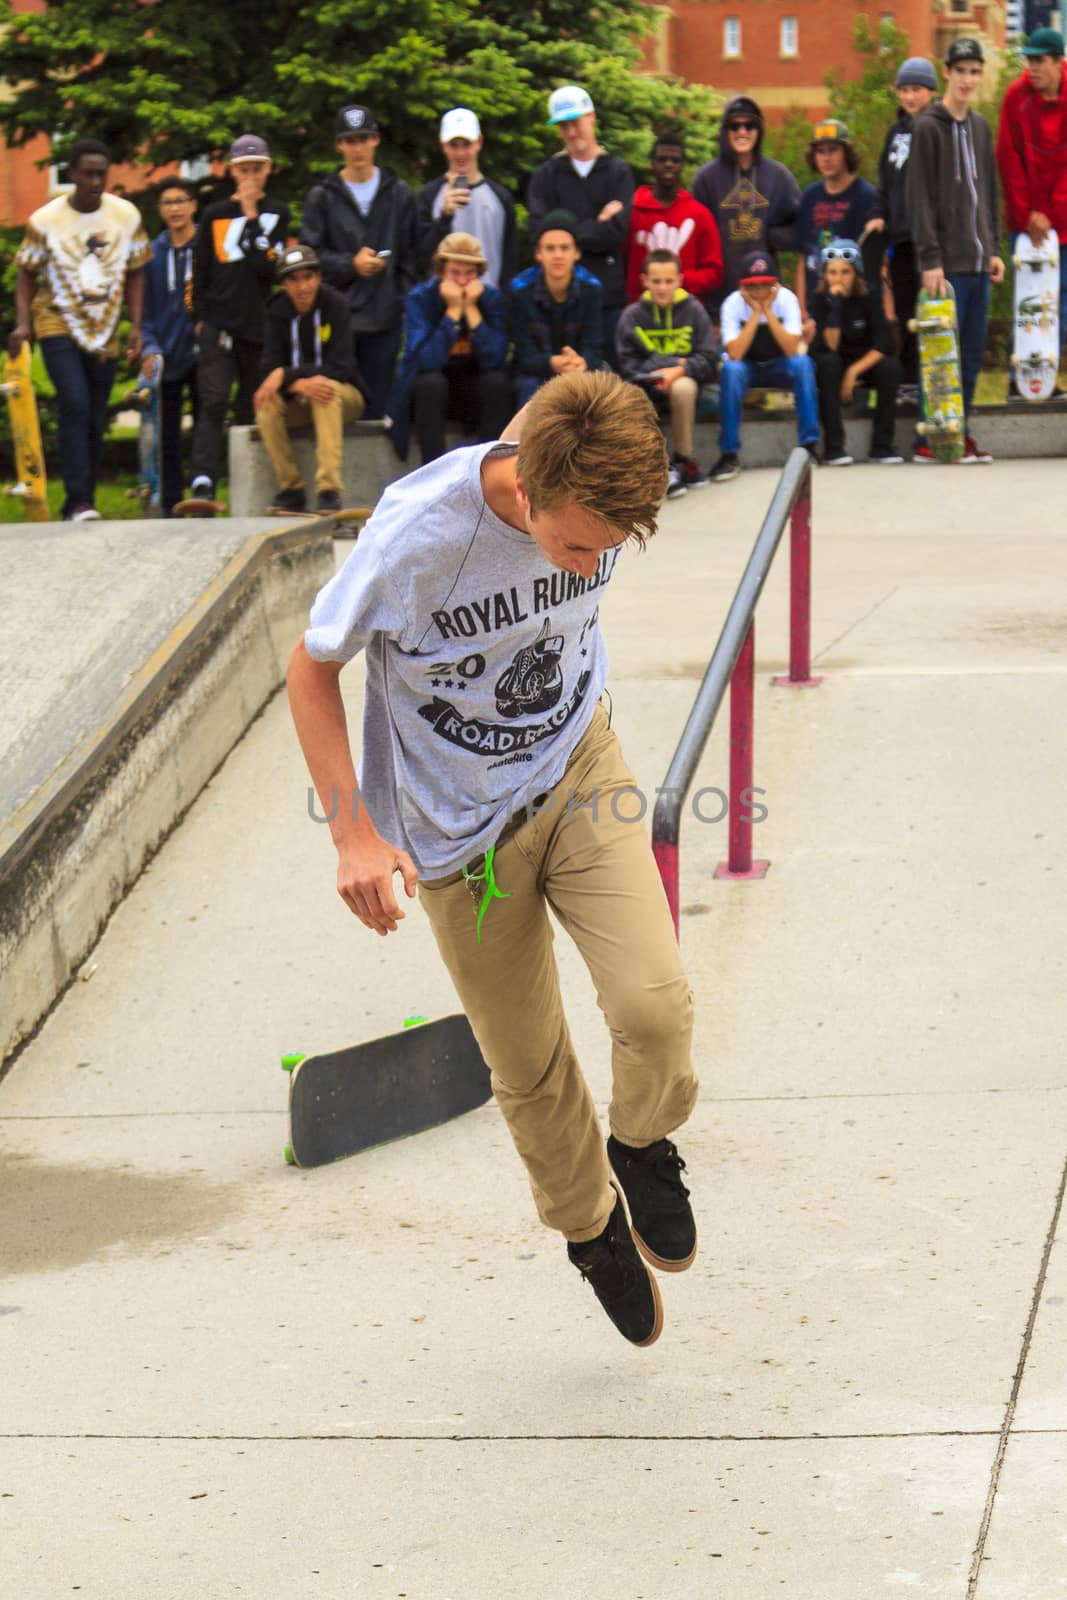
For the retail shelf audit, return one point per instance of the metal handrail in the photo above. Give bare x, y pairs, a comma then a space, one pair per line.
794, 488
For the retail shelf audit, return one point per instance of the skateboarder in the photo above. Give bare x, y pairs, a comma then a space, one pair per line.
952, 198
493, 783
83, 254
1031, 141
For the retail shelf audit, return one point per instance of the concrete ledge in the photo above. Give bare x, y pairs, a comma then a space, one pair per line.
370, 464
72, 845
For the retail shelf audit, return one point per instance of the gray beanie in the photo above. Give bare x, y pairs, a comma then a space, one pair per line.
917, 71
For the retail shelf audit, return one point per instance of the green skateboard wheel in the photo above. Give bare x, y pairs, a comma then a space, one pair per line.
413, 1022
290, 1159
289, 1063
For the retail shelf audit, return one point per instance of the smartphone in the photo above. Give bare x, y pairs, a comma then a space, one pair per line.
383, 255
461, 182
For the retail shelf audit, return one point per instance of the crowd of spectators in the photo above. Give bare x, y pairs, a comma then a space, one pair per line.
411, 306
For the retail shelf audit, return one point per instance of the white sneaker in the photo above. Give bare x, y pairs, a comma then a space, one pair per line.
837, 461
90, 514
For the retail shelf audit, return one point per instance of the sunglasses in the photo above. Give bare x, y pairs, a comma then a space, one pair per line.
841, 252
744, 127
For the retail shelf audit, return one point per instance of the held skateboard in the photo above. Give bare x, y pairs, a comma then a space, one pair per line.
349, 1100
939, 374
149, 440
17, 387
1036, 349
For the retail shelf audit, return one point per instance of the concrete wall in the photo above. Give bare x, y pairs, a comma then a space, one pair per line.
81, 850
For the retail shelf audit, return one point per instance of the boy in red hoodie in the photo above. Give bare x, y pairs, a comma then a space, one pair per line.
664, 216
1032, 149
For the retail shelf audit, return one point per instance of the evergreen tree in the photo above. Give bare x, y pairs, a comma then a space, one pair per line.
180, 79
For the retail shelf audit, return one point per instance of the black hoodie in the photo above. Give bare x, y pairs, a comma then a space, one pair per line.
755, 210
336, 230
952, 191
890, 198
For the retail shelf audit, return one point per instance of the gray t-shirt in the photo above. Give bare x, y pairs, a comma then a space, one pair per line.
483, 215
484, 661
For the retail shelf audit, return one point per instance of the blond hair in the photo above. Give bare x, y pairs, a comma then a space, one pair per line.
591, 440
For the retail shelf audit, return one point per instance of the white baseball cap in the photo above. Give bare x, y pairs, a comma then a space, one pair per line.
567, 103
459, 123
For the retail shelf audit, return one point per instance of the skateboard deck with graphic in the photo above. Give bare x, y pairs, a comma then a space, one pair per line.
145, 398
942, 425
17, 387
349, 1100
1035, 355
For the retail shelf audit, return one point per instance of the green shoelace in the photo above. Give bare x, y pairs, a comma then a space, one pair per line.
488, 877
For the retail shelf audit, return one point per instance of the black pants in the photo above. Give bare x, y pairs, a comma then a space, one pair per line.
170, 429
376, 355
83, 387
479, 400
906, 279
883, 378
216, 370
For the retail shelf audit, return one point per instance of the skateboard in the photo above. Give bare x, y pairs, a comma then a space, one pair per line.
149, 440
1036, 351
939, 374
198, 508
349, 1100
17, 387
350, 515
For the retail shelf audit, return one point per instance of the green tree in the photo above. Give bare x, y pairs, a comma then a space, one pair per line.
179, 80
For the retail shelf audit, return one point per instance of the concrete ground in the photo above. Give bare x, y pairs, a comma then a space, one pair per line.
222, 1376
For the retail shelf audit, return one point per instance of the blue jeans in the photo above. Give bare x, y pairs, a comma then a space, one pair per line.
784, 372
972, 315
83, 387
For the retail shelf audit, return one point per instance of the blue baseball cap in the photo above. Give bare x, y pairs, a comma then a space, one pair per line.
567, 103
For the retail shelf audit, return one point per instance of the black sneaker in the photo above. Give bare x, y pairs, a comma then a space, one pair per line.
725, 468
329, 500
203, 489
660, 1213
813, 452
291, 500
621, 1281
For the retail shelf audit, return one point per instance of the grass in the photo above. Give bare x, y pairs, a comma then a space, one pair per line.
116, 500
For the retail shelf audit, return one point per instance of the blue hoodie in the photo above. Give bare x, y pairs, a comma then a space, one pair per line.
168, 325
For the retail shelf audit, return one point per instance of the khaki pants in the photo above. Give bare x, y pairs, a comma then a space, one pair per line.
275, 420
683, 399
598, 876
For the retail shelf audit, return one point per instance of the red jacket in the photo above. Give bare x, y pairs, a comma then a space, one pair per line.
1032, 155
687, 228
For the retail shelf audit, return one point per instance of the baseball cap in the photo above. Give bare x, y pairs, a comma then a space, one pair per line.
567, 103
964, 50
917, 72
249, 147
1043, 42
295, 257
354, 119
758, 267
831, 131
460, 247
459, 123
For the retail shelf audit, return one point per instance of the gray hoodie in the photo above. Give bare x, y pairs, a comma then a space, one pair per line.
951, 181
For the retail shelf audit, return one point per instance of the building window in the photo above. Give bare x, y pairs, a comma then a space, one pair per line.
731, 36
787, 36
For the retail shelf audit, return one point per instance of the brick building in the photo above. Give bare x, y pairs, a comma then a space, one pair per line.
781, 50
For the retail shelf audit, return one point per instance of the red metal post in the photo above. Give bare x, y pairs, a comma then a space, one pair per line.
800, 595
666, 855
740, 864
